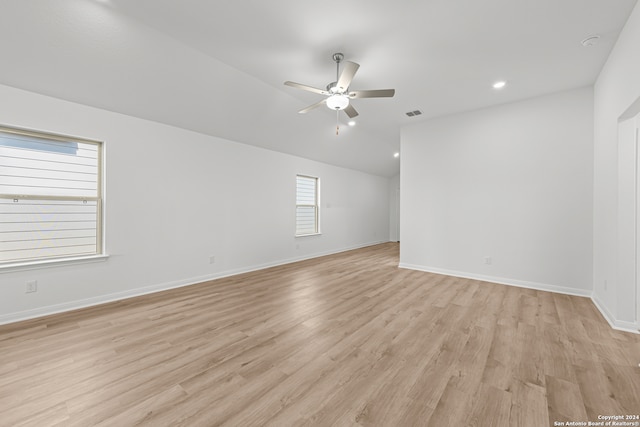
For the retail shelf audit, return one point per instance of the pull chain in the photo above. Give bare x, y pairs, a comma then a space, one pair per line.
337, 121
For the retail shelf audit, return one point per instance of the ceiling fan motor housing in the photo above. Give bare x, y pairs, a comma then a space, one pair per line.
333, 87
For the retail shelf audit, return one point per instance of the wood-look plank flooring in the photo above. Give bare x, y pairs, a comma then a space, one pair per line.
343, 340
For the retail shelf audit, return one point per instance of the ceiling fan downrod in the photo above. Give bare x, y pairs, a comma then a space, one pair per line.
338, 57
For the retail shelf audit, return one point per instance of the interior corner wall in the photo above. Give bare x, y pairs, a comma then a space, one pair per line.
615, 91
503, 194
394, 209
174, 198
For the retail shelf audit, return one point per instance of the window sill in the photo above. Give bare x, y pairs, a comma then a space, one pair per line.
35, 265
307, 235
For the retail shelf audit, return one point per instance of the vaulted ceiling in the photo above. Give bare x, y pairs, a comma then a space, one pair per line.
218, 67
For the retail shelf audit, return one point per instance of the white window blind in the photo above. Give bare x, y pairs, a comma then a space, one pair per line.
50, 197
307, 207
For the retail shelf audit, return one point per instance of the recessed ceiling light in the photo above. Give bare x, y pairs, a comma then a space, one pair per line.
351, 123
396, 155
500, 84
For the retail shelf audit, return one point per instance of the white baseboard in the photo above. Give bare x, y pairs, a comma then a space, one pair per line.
502, 280
619, 325
103, 299
614, 323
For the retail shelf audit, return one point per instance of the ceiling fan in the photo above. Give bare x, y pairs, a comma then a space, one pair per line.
337, 93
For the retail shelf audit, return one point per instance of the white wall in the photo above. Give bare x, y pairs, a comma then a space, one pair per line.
394, 208
512, 182
616, 90
174, 198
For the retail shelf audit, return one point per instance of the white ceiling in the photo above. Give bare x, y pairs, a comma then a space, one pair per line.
218, 67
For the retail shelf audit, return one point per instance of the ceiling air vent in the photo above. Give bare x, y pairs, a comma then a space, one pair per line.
413, 113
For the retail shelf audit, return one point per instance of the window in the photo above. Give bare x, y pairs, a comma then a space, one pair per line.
50, 197
307, 205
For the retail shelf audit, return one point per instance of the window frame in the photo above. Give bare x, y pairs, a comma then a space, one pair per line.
98, 199
316, 206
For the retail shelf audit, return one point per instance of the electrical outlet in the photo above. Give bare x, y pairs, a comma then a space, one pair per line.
605, 285
32, 286
487, 260
212, 260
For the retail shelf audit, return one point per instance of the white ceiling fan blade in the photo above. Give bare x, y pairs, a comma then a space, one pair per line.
307, 88
379, 93
348, 72
351, 112
311, 107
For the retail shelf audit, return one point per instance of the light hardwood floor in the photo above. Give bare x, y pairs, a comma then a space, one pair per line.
347, 339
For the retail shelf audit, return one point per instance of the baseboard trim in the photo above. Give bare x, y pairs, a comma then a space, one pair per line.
118, 296
619, 325
501, 280
614, 323
104, 299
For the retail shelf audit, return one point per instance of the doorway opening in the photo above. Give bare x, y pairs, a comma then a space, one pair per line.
628, 282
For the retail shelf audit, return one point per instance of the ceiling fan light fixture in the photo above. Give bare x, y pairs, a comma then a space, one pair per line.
338, 102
